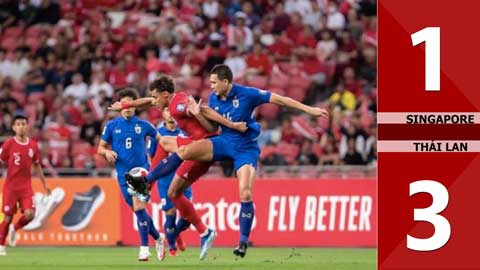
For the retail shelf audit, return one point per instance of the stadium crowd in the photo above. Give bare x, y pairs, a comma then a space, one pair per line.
62, 63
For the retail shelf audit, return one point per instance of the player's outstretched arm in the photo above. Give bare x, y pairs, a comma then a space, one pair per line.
141, 102
109, 155
39, 171
193, 108
291, 103
213, 115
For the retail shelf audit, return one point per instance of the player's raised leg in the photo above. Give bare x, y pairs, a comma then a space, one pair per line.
200, 150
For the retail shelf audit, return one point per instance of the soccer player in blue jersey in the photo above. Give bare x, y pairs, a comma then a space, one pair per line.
157, 153
236, 103
127, 136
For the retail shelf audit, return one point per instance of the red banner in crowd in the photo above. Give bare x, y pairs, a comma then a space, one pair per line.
290, 212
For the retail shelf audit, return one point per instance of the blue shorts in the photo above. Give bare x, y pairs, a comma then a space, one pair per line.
163, 184
240, 154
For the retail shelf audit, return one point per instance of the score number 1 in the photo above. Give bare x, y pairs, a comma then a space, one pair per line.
431, 37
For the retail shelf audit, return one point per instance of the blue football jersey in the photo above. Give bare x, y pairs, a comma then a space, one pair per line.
239, 106
152, 144
128, 140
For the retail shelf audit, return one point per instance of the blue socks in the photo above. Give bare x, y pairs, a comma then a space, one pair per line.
143, 225
153, 231
247, 212
164, 168
182, 225
170, 230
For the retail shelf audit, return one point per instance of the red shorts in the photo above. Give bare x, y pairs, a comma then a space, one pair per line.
11, 197
189, 169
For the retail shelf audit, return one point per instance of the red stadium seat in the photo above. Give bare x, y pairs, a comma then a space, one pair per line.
19, 96
288, 151
278, 81
258, 81
13, 32
193, 84
35, 97
81, 148
278, 91
299, 81
33, 43
269, 111
9, 43
34, 31
297, 93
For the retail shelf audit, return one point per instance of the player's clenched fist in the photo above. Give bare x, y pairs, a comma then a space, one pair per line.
318, 112
240, 126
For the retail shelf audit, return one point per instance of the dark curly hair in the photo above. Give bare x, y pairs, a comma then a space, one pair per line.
128, 92
163, 83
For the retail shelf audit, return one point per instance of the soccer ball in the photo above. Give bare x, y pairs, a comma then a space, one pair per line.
138, 171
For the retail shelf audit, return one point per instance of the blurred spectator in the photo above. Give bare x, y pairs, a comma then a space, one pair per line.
342, 99
335, 19
313, 16
265, 137
44, 48
330, 155
36, 78
20, 65
48, 12
303, 7
353, 157
326, 46
215, 56
258, 62
252, 18
90, 128
5, 63
289, 134
236, 62
8, 14
210, 8
306, 155
99, 84
239, 34
6, 130
78, 89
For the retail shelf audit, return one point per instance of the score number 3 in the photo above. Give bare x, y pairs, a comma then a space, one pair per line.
442, 227
431, 36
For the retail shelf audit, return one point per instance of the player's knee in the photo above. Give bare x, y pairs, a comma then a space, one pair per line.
246, 195
183, 152
7, 219
29, 214
173, 193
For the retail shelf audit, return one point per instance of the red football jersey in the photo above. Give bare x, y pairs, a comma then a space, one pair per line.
188, 123
19, 158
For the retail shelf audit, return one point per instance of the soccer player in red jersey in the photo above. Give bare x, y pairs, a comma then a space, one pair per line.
189, 118
20, 153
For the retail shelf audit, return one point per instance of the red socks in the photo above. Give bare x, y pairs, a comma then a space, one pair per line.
21, 222
187, 211
3, 232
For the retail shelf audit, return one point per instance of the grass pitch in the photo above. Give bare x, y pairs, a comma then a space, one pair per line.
82, 258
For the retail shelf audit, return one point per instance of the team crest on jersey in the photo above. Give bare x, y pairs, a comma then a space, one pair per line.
180, 107
138, 129
30, 152
235, 102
